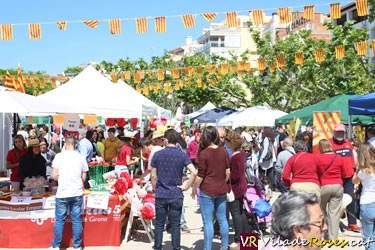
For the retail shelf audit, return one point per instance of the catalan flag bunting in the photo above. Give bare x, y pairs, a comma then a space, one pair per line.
188, 21
223, 68
27, 81
299, 58
115, 26
340, 51
141, 25
20, 85
160, 75
175, 73
319, 55
141, 74
7, 32
232, 21
258, 16
61, 25
114, 77
373, 47
285, 15
9, 81
335, 10
308, 12
137, 77
362, 7
35, 31
91, 23
126, 75
272, 67
209, 16
362, 48
280, 61
261, 64
199, 82
160, 24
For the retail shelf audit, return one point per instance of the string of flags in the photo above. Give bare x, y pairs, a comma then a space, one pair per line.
188, 20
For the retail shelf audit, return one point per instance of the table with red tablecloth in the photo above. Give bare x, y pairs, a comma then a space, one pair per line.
31, 226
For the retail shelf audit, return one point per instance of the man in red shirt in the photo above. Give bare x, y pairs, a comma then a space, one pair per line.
344, 148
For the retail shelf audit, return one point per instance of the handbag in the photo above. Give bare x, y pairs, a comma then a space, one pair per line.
230, 196
268, 156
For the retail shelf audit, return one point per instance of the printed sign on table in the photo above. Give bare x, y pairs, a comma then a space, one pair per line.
21, 199
71, 122
98, 201
49, 202
324, 123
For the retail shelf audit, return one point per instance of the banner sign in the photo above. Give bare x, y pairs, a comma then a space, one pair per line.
71, 122
324, 123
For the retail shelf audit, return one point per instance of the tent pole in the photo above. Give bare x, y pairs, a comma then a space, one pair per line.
350, 132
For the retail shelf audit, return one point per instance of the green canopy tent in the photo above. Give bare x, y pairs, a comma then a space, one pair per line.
336, 103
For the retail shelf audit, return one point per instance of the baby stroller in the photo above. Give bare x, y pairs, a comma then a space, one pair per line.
255, 193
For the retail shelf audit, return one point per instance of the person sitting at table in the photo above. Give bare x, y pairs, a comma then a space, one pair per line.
13, 158
32, 163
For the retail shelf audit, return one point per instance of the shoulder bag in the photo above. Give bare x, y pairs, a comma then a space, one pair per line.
230, 194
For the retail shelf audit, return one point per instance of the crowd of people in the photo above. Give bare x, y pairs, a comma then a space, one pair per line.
216, 161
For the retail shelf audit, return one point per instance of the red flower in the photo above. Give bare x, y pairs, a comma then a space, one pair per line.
148, 211
128, 178
149, 198
121, 186
92, 164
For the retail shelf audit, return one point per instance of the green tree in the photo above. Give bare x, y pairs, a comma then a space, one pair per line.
296, 86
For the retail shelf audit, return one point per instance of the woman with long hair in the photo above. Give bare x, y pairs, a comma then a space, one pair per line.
332, 168
238, 184
49, 156
13, 158
365, 174
212, 179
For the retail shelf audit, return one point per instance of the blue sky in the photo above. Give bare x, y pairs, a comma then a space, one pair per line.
81, 44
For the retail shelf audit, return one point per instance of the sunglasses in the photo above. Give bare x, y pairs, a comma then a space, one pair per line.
247, 151
320, 225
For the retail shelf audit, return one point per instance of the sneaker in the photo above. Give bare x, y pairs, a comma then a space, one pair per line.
353, 228
185, 229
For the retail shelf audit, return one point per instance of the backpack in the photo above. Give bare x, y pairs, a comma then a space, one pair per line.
268, 156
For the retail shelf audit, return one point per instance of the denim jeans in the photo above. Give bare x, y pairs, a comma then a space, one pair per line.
367, 216
280, 183
209, 205
63, 205
349, 189
173, 209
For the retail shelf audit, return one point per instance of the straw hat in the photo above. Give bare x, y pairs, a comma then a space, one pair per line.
34, 142
157, 134
128, 134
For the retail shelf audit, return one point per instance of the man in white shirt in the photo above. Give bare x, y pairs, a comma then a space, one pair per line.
69, 168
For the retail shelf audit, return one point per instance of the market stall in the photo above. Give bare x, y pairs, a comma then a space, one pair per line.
29, 223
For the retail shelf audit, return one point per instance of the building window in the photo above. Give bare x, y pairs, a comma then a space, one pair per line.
342, 20
356, 18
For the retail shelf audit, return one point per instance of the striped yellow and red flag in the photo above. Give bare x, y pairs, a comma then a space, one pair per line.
113, 76
199, 69
188, 21
308, 12
199, 82
319, 55
7, 32
209, 16
20, 81
9, 81
160, 24
285, 15
35, 31
223, 68
126, 75
258, 16
242, 65
232, 20
160, 74
261, 64
53, 82
335, 10
91, 23
138, 88
27, 81
115, 26
362, 48
362, 7
280, 61
141, 73
373, 47
299, 58
175, 73
340, 51
61, 25
136, 77
233, 68
149, 73
41, 83
141, 25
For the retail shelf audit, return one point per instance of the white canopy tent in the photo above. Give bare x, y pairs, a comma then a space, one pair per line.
90, 90
257, 116
206, 107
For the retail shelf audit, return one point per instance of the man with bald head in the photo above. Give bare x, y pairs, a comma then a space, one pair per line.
282, 158
222, 134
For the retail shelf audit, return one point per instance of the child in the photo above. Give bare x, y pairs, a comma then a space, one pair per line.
268, 191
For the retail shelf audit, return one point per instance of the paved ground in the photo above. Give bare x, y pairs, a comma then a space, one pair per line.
194, 239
